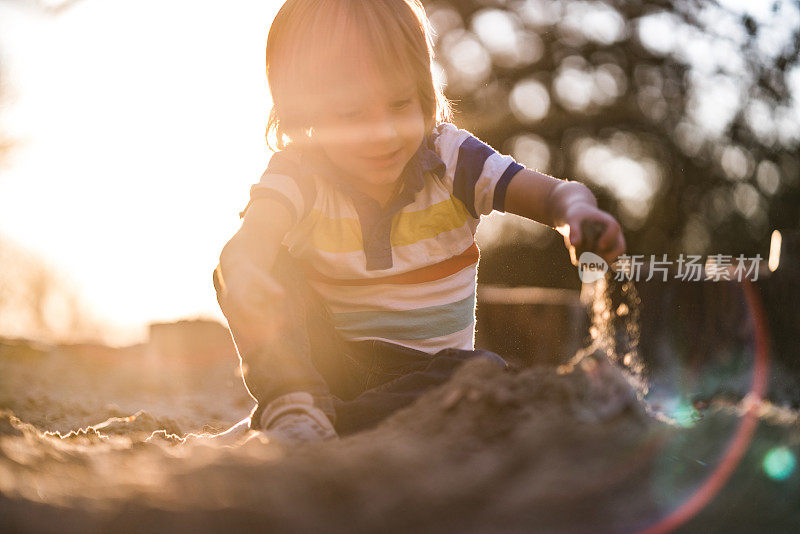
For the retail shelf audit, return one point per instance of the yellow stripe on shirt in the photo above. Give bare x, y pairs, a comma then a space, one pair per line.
410, 227
335, 235
341, 235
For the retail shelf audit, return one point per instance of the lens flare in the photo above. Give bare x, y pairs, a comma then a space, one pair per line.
779, 463
775, 251
685, 414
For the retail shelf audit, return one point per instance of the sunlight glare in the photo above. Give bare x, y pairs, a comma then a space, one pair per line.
139, 128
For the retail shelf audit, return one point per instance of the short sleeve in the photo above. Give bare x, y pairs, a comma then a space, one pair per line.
478, 173
284, 182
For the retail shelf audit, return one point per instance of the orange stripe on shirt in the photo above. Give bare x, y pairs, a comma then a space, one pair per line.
437, 271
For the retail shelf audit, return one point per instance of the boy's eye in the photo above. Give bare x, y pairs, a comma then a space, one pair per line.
401, 104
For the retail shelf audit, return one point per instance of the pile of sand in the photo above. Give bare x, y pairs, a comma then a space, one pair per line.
489, 451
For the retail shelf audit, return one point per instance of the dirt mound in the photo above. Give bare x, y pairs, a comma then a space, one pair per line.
490, 451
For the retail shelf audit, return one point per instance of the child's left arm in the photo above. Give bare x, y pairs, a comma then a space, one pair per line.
563, 205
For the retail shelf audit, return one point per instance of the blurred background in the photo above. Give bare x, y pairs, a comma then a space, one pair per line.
131, 131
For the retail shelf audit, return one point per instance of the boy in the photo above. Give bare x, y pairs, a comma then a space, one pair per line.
350, 287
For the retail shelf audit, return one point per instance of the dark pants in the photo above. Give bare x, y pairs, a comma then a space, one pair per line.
357, 384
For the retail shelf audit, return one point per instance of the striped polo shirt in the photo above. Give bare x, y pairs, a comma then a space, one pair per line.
404, 273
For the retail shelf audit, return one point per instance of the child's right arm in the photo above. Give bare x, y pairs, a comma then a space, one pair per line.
250, 298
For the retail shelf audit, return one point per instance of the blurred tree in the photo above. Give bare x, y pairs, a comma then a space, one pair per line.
48, 7
34, 300
682, 115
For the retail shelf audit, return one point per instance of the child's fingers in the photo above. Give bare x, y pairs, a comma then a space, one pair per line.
610, 234
575, 236
623, 246
618, 250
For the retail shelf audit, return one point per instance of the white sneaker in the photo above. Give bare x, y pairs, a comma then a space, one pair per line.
292, 419
289, 420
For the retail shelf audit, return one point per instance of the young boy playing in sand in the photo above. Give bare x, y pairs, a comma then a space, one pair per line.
350, 287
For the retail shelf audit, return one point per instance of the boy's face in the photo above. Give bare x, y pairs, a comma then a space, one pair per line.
370, 130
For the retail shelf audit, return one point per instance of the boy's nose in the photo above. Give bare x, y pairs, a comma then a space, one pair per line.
382, 128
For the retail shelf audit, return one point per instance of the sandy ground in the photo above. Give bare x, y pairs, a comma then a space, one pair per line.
535, 450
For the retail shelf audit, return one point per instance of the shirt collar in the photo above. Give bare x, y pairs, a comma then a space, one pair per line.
412, 178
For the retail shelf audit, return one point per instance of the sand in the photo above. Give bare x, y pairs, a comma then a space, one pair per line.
91, 445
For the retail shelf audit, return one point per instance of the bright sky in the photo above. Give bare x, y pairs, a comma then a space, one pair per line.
140, 126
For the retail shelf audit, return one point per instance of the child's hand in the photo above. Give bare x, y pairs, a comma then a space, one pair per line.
609, 245
254, 304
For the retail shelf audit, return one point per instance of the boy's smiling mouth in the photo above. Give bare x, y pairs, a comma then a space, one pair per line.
386, 159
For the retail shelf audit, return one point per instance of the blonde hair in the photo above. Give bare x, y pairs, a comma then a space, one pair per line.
310, 40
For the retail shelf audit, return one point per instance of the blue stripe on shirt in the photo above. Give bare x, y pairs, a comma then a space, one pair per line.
257, 193
422, 323
287, 164
499, 200
472, 155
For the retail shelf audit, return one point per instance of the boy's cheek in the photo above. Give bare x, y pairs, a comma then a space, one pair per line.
337, 136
